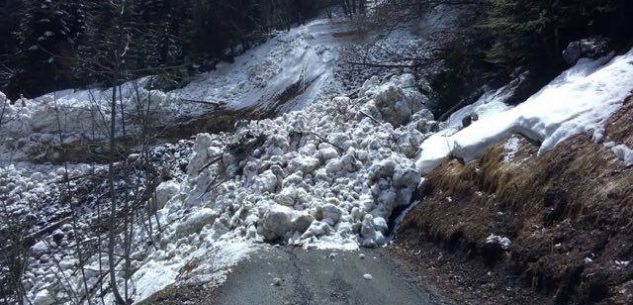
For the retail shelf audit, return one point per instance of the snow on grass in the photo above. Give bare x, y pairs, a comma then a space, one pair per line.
511, 149
622, 151
580, 100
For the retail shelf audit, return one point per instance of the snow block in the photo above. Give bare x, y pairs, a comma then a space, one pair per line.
280, 222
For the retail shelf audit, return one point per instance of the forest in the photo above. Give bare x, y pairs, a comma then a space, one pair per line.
50, 45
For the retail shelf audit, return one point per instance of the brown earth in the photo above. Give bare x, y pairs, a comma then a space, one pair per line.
568, 213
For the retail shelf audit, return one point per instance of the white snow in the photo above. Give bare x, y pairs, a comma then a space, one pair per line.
502, 241
624, 153
579, 101
306, 55
511, 149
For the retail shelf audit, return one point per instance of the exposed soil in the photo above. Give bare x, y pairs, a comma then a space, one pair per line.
568, 213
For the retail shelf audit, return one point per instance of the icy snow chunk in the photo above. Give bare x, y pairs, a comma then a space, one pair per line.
195, 222
624, 153
200, 154
39, 248
165, 191
327, 152
407, 177
317, 229
396, 104
266, 182
304, 164
383, 169
280, 221
43, 297
380, 224
368, 85
502, 241
331, 213
369, 236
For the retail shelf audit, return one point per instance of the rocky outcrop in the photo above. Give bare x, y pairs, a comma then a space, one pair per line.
593, 48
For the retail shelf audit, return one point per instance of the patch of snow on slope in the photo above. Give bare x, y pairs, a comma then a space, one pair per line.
623, 153
511, 149
579, 100
304, 56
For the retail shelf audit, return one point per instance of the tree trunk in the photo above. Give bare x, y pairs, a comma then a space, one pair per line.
112, 234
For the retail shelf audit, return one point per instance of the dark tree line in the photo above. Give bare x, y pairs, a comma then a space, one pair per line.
502, 35
52, 45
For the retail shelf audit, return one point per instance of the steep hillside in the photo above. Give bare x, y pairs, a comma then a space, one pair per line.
559, 222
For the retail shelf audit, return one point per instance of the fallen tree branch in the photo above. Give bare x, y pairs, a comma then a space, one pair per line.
201, 102
370, 117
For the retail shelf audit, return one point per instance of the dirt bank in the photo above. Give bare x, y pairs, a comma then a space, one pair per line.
568, 216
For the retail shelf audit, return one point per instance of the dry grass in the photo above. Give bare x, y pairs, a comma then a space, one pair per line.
573, 203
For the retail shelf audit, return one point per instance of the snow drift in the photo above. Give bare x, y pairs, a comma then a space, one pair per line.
580, 100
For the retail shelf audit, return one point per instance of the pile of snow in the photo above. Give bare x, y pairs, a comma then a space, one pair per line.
36, 129
580, 100
329, 176
325, 177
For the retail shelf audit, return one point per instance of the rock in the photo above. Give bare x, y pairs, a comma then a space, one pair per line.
302, 222
58, 236
165, 191
276, 281
466, 121
368, 276
593, 48
361, 256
